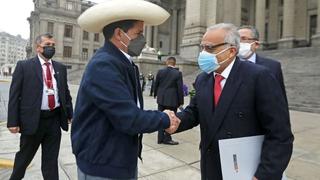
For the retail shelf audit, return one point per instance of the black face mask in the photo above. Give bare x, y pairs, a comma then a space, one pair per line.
48, 52
136, 45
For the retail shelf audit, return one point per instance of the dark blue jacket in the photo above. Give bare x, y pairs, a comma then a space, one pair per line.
168, 87
251, 103
107, 120
275, 68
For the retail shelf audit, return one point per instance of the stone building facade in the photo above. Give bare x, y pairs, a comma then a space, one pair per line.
12, 49
282, 24
74, 46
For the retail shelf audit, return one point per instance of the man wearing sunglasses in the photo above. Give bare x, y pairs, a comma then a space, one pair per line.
236, 99
249, 44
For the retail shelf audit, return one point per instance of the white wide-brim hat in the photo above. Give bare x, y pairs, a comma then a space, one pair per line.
98, 16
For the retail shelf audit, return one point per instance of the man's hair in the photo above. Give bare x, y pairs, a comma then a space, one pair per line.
232, 35
125, 25
171, 60
45, 35
254, 31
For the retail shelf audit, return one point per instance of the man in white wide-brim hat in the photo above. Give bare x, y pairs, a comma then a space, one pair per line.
109, 117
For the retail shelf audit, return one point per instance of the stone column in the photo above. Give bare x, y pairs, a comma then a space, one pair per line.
316, 37
261, 19
174, 26
273, 28
155, 37
149, 35
194, 28
287, 40
301, 29
231, 11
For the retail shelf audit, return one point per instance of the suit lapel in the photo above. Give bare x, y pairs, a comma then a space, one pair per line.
208, 91
228, 93
56, 73
37, 68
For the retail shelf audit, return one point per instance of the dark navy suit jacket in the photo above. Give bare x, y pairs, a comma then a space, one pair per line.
251, 104
107, 120
25, 95
275, 68
168, 87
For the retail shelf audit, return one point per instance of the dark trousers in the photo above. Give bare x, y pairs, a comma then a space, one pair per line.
48, 136
162, 135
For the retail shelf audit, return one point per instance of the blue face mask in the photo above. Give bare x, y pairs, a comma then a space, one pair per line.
208, 62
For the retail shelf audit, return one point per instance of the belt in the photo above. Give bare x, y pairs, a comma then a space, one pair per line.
49, 113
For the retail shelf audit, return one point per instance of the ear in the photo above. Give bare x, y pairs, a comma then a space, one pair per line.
256, 45
117, 34
233, 51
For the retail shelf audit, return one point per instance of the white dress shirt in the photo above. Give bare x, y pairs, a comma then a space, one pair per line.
44, 103
225, 73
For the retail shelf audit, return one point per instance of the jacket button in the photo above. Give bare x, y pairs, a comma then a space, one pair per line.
240, 114
229, 134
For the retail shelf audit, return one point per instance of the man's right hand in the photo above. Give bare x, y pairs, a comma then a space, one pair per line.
174, 122
14, 130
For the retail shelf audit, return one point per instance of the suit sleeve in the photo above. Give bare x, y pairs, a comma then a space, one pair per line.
189, 116
273, 114
68, 97
180, 89
14, 96
107, 88
281, 81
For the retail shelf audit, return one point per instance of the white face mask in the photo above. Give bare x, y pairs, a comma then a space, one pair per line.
245, 50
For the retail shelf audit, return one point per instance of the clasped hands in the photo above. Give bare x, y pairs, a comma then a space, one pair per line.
174, 122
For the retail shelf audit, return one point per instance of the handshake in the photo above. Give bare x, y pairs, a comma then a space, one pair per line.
174, 122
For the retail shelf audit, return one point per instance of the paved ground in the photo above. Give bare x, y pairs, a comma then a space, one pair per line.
163, 162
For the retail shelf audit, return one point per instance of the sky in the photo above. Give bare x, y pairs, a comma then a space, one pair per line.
14, 14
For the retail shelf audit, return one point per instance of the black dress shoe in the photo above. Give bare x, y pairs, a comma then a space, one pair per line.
171, 142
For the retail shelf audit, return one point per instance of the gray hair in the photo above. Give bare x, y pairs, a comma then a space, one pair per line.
232, 34
45, 35
254, 31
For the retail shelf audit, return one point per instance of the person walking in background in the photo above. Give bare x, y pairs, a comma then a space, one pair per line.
151, 83
168, 89
249, 44
39, 104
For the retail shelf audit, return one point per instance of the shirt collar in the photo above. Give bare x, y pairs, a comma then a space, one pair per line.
226, 72
42, 61
127, 56
253, 58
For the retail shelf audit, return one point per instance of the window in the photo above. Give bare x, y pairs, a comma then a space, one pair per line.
50, 27
67, 51
68, 31
96, 37
85, 35
69, 5
84, 54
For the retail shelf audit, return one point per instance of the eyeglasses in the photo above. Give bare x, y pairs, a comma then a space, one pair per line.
244, 39
210, 47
